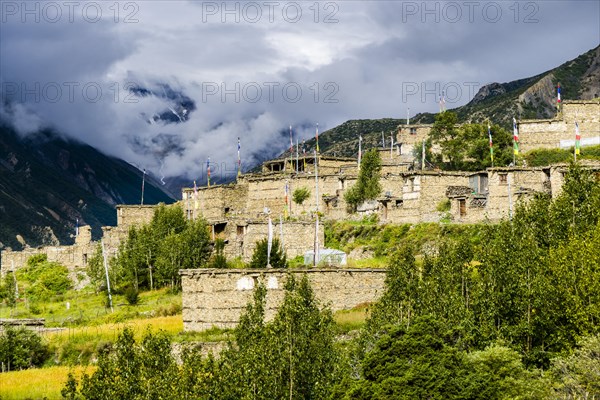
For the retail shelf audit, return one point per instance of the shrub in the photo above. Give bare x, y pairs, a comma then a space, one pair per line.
367, 187
444, 205
300, 195
259, 257
132, 295
219, 260
22, 349
46, 278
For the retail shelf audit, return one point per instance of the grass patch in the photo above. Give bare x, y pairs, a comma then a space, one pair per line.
377, 262
80, 345
213, 334
385, 239
87, 308
40, 383
353, 319
544, 157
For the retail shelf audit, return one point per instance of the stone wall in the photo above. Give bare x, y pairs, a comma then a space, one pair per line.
130, 215
241, 236
218, 297
408, 136
252, 195
548, 133
74, 257
524, 183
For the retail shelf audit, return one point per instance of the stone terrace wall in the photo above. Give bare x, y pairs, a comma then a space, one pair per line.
218, 297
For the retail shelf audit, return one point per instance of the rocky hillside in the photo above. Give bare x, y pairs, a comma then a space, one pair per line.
47, 183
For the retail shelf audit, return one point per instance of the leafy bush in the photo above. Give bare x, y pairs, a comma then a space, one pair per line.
300, 195
132, 295
8, 290
45, 278
167, 311
543, 157
444, 205
367, 187
22, 349
259, 257
219, 260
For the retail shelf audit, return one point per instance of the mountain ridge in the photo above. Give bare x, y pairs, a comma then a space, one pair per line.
527, 98
48, 184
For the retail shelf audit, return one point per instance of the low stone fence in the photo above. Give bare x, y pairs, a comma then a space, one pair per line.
218, 297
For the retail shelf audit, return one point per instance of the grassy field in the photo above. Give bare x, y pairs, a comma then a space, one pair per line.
87, 308
37, 383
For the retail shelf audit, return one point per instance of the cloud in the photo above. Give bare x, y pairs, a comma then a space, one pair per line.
251, 75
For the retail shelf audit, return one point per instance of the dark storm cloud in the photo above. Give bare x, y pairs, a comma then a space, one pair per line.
350, 60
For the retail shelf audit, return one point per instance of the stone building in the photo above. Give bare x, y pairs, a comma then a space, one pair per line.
75, 257
559, 132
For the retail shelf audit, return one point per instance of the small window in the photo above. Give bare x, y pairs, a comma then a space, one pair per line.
502, 178
226, 210
220, 228
413, 131
240, 230
85, 259
399, 203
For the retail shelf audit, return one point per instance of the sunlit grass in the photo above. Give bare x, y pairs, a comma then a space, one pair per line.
171, 325
87, 308
379, 262
37, 383
349, 320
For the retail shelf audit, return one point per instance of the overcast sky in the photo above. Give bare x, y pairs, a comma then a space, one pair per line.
254, 68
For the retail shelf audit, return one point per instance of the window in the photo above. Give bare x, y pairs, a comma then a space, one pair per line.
219, 229
85, 259
240, 230
399, 203
413, 131
502, 178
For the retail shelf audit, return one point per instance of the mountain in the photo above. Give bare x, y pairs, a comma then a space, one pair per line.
47, 183
528, 98
535, 97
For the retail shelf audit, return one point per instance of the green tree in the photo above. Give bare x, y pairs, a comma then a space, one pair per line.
445, 133
218, 260
367, 186
292, 357
300, 195
578, 375
417, 154
45, 278
259, 256
21, 349
498, 373
415, 362
466, 147
153, 254
95, 267
8, 290
131, 370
